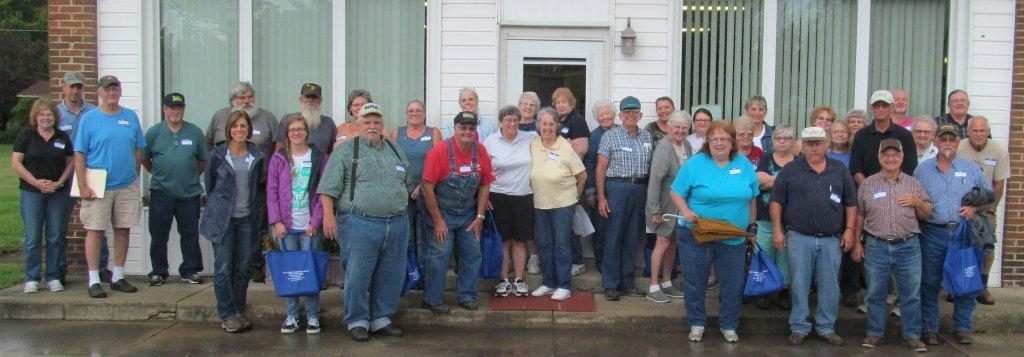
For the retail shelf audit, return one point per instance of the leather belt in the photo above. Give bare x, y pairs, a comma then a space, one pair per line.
950, 225
893, 240
816, 235
634, 180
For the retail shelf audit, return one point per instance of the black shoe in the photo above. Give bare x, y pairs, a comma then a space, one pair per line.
611, 294
441, 309
123, 286
156, 280
470, 305
633, 292
192, 279
834, 339
258, 276
359, 334
106, 276
96, 291
963, 337
797, 339
390, 330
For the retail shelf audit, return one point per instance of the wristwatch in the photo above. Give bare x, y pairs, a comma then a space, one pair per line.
480, 216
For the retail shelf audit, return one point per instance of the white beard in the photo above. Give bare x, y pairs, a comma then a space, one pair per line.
249, 109
312, 115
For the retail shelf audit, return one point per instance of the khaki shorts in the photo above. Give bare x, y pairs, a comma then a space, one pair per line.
120, 207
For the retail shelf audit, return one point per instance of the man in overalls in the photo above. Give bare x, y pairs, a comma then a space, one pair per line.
456, 177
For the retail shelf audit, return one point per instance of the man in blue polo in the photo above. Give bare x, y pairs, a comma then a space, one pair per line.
176, 155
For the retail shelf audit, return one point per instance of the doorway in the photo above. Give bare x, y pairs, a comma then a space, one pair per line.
542, 66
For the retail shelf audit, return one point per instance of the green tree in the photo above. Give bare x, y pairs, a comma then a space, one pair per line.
23, 60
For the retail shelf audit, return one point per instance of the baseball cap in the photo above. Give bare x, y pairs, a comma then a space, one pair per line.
368, 109
947, 128
890, 144
466, 118
108, 80
309, 89
881, 96
813, 133
629, 103
174, 99
74, 78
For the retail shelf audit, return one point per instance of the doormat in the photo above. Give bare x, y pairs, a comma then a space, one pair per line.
580, 301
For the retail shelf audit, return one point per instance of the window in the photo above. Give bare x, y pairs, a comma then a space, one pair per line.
908, 50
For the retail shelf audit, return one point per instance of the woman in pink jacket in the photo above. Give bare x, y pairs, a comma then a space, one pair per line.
293, 210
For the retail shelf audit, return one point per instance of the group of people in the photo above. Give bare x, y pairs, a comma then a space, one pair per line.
845, 192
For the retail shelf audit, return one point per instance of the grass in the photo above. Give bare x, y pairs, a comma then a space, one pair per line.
11, 226
11, 274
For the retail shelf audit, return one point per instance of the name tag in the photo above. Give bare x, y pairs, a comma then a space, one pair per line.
734, 172
65, 127
422, 138
58, 145
647, 145
186, 142
123, 122
960, 174
465, 169
565, 130
256, 132
880, 194
990, 162
627, 149
553, 156
834, 198
401, 167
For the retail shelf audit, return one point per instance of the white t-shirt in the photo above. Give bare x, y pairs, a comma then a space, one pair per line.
695, 142
511, 163
301, 172
757, 139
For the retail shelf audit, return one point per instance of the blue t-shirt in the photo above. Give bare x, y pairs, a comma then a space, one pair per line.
721, 193
843, 157
109, 143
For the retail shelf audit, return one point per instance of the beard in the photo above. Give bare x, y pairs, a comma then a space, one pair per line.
312, 115
250, 109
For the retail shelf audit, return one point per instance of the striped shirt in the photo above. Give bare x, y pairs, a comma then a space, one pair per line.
628, 155
947, 188
878, 207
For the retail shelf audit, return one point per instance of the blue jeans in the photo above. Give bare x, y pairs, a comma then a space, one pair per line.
163, 209
45, 216
297, 240
817, 259
623, 230
882, 261
436, 258
554, 233
231, 266
63, 263
597, 238
574, 244
376, 268
935, 240
697, 260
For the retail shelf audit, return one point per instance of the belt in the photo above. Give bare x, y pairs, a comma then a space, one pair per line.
634, 180
950, 225
816, 235
892, 240
366, 215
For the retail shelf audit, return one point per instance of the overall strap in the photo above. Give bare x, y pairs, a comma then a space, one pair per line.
451, 154
475, 158
355, 167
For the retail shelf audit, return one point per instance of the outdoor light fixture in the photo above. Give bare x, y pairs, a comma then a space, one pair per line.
628, 39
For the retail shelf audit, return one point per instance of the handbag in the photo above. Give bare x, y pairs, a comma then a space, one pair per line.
413, 274
297, 273
764, 276
491, 249
961, 272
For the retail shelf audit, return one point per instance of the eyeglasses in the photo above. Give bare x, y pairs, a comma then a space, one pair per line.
631, 111
297, 130
783, 138
720, 140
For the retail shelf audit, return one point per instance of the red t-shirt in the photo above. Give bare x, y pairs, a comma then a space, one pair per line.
436, 169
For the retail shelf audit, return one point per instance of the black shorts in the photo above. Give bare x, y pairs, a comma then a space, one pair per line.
513, 215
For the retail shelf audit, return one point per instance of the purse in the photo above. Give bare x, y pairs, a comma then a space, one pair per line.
961, 272
297, 273
764, 276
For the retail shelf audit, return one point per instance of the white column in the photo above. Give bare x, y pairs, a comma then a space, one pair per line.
245, 40
861, 74
768, 52
339, 94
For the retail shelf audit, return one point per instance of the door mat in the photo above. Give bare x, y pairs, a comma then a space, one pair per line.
580, 301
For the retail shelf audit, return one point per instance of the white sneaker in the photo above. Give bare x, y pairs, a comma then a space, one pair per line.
520, 288
696, 333
862, 309
543, 290
31, 287
289, 325
895, 312
561, 294
578, 269
891, 299
503, 288
55, 285
533, 265
730, 336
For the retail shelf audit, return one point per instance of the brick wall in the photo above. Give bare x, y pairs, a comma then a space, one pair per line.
72, 35
1013, 249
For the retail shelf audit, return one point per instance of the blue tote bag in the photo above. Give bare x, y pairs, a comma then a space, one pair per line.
490, 249
763, 277
413, 275
961, 272
297, 273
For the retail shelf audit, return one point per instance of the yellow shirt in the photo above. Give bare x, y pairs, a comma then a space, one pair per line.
553, 174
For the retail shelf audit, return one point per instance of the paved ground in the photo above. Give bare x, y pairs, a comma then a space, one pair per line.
25, 338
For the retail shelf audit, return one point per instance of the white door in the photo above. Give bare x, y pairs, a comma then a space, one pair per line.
543, 65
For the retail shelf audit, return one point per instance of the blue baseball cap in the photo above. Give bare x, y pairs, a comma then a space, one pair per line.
629, 103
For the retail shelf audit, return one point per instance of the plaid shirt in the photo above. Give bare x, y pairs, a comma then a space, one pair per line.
946, 188
878, 207
628, 156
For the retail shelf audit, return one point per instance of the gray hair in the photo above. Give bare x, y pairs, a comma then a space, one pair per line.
532, 96
856, 113
925, 119
982, 118
742, 123
757, 99
680, 117
784, 130
604, 103
417, 101
356, 93
475, 95
548, 111
240, 88
508, 110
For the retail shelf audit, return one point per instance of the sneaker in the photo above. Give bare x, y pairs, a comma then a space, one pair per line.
543, 290
123, 286
634, 292
891, 299
963, 337
673, 292
55, 285
797, 339
520, 288
712, 282
872, 341
231, 325
561, 294
916, 345
730, 336
658, 296
696, 333
502, 289
533, 265
895, 312
192, 279
156, 280
611, 295
312, 326
578, 269
96, 291
246, 324
31, 287
862, 309
833, 339
289, 325
985, 298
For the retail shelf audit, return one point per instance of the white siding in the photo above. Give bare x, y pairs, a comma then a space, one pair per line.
645, 74
556, 13
469, 55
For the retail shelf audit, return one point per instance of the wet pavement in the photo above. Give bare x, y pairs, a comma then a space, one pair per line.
79, 338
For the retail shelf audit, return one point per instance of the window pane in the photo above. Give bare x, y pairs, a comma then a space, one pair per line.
908, 48
385, 54
545, 78
199, 53
815, 58
291, 46
721, 54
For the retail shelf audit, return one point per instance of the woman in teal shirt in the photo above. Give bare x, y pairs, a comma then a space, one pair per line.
717, 183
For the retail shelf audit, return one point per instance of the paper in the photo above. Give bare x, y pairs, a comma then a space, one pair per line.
581, 224
97, 180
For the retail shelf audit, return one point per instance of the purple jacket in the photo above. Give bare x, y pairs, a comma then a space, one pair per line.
279, 190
